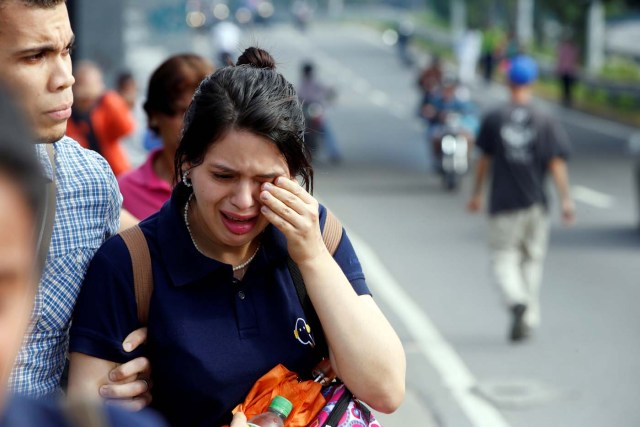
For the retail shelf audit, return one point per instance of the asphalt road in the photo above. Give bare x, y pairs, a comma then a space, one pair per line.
426, 258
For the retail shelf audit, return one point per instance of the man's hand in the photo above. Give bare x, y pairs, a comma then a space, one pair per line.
475, 204
130, 384
482, 167
568, 212
558, 169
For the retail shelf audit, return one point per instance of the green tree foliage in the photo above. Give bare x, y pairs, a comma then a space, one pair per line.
572, 15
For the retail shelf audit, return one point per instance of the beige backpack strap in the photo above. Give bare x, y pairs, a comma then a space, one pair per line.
332, 232
142, 274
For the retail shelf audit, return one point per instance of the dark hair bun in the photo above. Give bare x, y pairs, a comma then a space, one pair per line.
257, 58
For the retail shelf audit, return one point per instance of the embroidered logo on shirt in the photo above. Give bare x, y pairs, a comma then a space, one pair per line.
302, 332
518, 135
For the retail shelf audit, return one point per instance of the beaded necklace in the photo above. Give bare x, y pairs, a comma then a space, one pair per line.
186, 222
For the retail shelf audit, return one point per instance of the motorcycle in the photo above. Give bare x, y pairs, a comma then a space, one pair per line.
453, 148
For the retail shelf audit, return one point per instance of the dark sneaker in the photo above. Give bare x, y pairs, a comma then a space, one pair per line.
519, 330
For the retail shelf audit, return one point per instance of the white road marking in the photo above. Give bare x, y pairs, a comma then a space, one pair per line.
453, 371
379, 98
400, 110
592, 197
362, 86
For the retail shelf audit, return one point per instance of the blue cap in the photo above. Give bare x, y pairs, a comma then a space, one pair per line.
523, 70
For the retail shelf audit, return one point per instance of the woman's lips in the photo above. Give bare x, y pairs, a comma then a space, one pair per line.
239, 225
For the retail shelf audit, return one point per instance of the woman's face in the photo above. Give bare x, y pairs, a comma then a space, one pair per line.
17, 281
170, 125
227, 186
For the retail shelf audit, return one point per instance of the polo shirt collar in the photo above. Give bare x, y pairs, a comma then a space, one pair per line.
183, 261
186, 265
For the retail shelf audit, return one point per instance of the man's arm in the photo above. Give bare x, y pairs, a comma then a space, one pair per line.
86, 375
475, 203
560, 174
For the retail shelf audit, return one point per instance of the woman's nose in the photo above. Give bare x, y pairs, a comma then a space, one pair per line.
245, 195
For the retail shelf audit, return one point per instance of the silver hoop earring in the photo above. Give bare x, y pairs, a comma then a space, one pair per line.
185, 180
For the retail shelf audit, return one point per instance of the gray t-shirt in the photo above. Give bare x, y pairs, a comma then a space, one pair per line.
521, 142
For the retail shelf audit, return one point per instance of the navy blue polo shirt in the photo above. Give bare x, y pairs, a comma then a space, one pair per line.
25, 412
210, 336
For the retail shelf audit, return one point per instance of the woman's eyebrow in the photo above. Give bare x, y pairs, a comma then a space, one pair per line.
226, 169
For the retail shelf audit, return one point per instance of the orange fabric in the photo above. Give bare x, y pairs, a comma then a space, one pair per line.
305, 396
111, 120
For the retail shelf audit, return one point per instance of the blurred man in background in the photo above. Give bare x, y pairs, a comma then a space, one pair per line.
451, 101
225, 38
567, 68
316, 97
429, 81
492, 41
127, 88
520, 145
22, 192
100, 118
405, 30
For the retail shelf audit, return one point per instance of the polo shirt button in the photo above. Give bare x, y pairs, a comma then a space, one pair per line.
241, 295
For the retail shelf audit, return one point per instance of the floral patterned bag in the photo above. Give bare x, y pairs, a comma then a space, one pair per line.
343, 410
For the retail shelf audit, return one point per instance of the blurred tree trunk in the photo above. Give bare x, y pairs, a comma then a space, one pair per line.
458, 19
524, 22
335, 7
595, 37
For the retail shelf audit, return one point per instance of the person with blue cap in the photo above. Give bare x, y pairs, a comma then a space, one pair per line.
520, 145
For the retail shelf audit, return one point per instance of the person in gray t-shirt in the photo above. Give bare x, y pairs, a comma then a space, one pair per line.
520, 146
